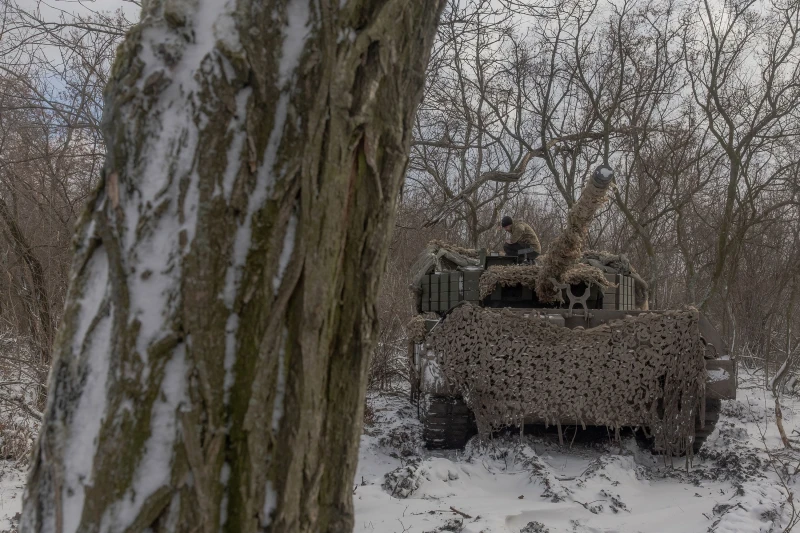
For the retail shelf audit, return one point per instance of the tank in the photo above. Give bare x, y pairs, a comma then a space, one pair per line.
567, 339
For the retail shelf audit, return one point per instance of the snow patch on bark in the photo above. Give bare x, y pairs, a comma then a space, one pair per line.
296, 34
224, 477
177, 125
264, 182
154, 283
170, 171
286, 251
270, 496
97, 275
155, 469
280, 385
234, 154
266, 174
270, 503
231, 327
81, 445
225, 29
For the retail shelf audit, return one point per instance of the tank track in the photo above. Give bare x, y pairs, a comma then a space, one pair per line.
447, 422
713, 408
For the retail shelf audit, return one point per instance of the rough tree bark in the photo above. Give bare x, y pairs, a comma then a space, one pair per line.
209, 372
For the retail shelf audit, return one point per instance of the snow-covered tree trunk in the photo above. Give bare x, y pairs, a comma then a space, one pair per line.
209, 371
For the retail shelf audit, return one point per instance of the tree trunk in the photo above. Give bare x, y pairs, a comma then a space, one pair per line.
39, 302
725, 245
210, 369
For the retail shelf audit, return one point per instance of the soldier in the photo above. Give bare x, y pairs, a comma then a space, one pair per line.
520, 236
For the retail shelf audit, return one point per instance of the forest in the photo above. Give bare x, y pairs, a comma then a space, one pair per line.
695, 105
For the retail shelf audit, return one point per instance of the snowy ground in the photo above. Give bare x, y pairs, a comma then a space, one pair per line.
12, 481
534, 486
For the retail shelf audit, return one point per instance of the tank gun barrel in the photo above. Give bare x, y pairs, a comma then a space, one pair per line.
566, 249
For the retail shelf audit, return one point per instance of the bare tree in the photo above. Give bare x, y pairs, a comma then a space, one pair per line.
52, 75
470, 119
751, 117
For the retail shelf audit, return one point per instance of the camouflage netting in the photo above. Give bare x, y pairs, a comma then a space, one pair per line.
466, 252
588, 268
619, 264
439, 256
566, 249
646, 371
416, 329
526, 275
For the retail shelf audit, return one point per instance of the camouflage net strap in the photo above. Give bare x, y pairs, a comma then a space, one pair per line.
646, 371
619, 264
526, 275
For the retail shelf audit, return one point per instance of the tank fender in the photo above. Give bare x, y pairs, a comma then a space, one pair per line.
721, 380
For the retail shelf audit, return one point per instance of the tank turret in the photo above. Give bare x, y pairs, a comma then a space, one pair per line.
566, 249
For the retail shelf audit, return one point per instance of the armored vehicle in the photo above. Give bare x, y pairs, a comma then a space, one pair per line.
564, 339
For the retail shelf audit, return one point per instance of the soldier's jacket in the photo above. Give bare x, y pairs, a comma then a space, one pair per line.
523, 233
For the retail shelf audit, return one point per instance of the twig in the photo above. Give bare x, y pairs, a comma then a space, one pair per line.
779, 421
516, 174
573, 478
794, 517
775, 393
465, 515
586, 505
19, 401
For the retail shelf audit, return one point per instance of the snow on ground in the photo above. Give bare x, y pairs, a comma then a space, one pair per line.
533, 485
12, 482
